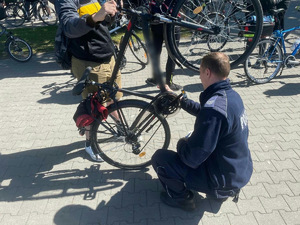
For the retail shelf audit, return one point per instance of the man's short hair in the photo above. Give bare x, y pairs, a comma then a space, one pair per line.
218, 63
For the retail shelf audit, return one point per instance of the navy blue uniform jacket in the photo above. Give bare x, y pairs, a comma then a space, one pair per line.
220, 137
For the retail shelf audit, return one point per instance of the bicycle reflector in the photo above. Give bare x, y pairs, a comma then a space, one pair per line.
142, 154
198, 9
247, 33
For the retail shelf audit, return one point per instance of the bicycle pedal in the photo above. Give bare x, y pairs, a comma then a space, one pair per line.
294, 62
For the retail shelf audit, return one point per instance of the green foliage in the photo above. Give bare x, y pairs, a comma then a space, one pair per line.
41, 39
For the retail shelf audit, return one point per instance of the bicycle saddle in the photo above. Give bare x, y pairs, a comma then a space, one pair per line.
80, 85
277, 11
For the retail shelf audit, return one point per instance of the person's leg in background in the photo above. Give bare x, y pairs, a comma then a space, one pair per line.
158, 39
27, 6
283, 4
170, 66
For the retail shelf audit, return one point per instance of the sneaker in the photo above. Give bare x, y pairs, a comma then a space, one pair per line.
187, 204
95, 157
151, 82
175, 87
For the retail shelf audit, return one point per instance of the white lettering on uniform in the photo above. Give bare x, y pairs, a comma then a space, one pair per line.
244, 120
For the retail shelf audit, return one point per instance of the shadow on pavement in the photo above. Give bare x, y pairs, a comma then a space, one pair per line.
39, 66
60, 93
286, 90
27, 174
135, 205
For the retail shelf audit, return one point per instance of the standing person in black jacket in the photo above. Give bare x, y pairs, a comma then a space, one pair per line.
90, 44
215, 158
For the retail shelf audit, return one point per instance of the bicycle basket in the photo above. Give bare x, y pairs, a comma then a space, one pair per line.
2, 13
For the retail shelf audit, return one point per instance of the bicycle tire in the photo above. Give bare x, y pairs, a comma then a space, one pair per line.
15, 15
237, 37
19, 50
49, 19
138, 49
116, 149
265, 62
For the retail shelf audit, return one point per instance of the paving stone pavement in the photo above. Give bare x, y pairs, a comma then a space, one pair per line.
47, 178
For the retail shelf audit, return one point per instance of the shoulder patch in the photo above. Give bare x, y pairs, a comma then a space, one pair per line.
218, 103
211, 102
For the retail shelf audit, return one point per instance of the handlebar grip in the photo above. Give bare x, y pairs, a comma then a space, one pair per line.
107, 19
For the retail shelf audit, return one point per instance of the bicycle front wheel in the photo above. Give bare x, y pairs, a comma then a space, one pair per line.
19, 50
265, 62
47, 14
130, 146
138, 49
239, 25
15, 15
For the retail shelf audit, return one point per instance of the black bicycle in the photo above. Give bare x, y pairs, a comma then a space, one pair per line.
17, 48
135, 129
228, 22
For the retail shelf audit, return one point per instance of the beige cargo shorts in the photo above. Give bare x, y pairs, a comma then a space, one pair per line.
100, 73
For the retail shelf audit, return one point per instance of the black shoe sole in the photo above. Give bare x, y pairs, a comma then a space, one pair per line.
186, 205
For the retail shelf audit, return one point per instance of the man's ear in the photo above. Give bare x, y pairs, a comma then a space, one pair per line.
208, 72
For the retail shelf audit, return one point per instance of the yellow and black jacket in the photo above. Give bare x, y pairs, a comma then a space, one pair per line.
86, 42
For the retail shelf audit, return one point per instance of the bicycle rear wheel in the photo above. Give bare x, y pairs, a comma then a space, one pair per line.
138, 49
124, 147
237, 37
19, 50
15, 15
47, 14
265, 62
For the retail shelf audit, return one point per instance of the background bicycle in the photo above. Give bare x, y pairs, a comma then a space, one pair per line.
17, 48
14, 12
17, 13
229, 21
272, 55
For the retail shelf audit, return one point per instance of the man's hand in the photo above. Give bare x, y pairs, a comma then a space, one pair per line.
108, 8
168, 88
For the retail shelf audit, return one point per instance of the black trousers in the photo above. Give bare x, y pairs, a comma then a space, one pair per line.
158, 39
176, 177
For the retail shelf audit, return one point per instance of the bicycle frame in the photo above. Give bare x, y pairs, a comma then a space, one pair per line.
5, 32
145, 20
280, 36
